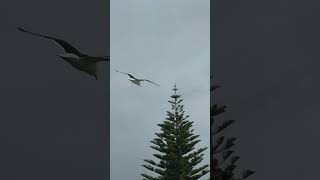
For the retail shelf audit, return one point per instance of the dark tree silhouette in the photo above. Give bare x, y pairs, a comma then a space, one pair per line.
178, 157
222, 160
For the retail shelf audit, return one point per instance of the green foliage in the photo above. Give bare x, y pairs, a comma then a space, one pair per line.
222, 161
175, 144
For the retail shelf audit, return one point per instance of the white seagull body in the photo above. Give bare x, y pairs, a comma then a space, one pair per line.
135, 80
76, 59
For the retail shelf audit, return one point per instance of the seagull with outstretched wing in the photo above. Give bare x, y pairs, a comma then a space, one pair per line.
78, 60
135, 80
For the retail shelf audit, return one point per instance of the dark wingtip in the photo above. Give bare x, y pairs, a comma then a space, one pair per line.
20, 29
107, 58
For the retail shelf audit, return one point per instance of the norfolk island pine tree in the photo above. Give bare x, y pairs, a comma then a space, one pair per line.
177, 156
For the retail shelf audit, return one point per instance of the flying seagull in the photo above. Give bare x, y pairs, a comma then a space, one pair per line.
135, 80
78, 60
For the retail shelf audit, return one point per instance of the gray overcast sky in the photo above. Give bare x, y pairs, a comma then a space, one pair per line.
166, 41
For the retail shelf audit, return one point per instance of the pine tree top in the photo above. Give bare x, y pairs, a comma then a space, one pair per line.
175, 95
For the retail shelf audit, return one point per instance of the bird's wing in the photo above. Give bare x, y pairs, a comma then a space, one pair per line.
150, 82
65, 45
97, 59
102, 58
126, 74
106, 58
214, 87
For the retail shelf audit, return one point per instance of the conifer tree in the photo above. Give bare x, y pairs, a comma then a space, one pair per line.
177, 156
222, 160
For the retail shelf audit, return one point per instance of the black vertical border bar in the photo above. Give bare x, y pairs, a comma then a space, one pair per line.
211, 73
108, 94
